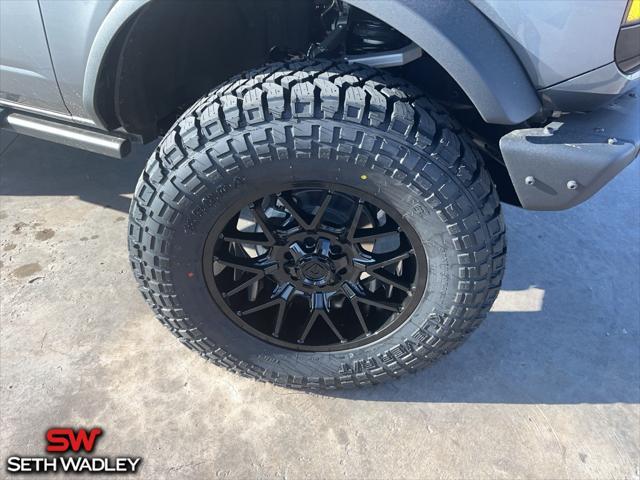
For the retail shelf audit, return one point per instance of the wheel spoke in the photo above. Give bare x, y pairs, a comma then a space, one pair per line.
238, 251
284, 296
262, 306
244, 285
391, 279
261, 219
355, 220
282, 307
363, 324
309, 325
247, 264
341, 262
384, 259
368, 235
353, 300
250, 238
297, 214
356, 293
318, 304
390, 306
380, 260
332, 326
280, 298
315, 223
320, 308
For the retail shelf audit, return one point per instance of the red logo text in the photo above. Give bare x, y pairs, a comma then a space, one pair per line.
65, 439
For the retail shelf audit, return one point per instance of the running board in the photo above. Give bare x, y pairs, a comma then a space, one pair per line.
59, 132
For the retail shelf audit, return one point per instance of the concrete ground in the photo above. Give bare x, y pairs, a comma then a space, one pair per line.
549, 387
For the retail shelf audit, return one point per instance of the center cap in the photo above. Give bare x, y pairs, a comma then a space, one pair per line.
315, 269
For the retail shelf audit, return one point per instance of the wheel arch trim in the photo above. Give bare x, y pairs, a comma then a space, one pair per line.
117, 17
470, 48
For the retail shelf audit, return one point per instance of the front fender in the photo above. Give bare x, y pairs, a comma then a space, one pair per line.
470, 48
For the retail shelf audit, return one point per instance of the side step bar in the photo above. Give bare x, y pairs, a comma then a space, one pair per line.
59, 132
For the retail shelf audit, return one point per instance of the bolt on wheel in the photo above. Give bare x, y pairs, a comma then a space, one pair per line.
315, 269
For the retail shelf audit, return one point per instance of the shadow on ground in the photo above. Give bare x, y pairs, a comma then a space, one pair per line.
568, 327
93, 178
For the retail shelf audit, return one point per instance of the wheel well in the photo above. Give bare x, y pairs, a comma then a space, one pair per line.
171, 53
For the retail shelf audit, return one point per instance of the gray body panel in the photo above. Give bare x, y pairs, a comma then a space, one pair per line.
26, 73
557, 40
70, 43
590, 90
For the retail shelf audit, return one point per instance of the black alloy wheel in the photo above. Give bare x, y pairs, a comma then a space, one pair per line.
315, 269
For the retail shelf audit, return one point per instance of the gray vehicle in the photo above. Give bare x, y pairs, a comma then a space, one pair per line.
323, 210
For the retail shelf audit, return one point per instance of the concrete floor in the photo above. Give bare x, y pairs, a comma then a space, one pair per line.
549, 387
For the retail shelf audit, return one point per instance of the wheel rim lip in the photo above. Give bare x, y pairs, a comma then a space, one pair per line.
420, 278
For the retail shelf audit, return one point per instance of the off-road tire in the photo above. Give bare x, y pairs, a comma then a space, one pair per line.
318, 120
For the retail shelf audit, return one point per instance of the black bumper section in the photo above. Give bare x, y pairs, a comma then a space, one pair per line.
566, 162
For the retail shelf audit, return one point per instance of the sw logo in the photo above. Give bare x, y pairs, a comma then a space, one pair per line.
69, 441
65, 439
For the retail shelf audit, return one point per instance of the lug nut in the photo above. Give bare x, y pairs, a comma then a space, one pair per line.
529, 180
612, 141
572, 185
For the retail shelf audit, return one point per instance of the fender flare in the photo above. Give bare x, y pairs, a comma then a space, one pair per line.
117, 17
470, 48
457, 35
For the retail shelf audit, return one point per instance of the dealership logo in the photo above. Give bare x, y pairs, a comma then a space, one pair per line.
65, 439
71, 442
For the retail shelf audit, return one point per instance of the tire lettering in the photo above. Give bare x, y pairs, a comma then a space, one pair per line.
209, 201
